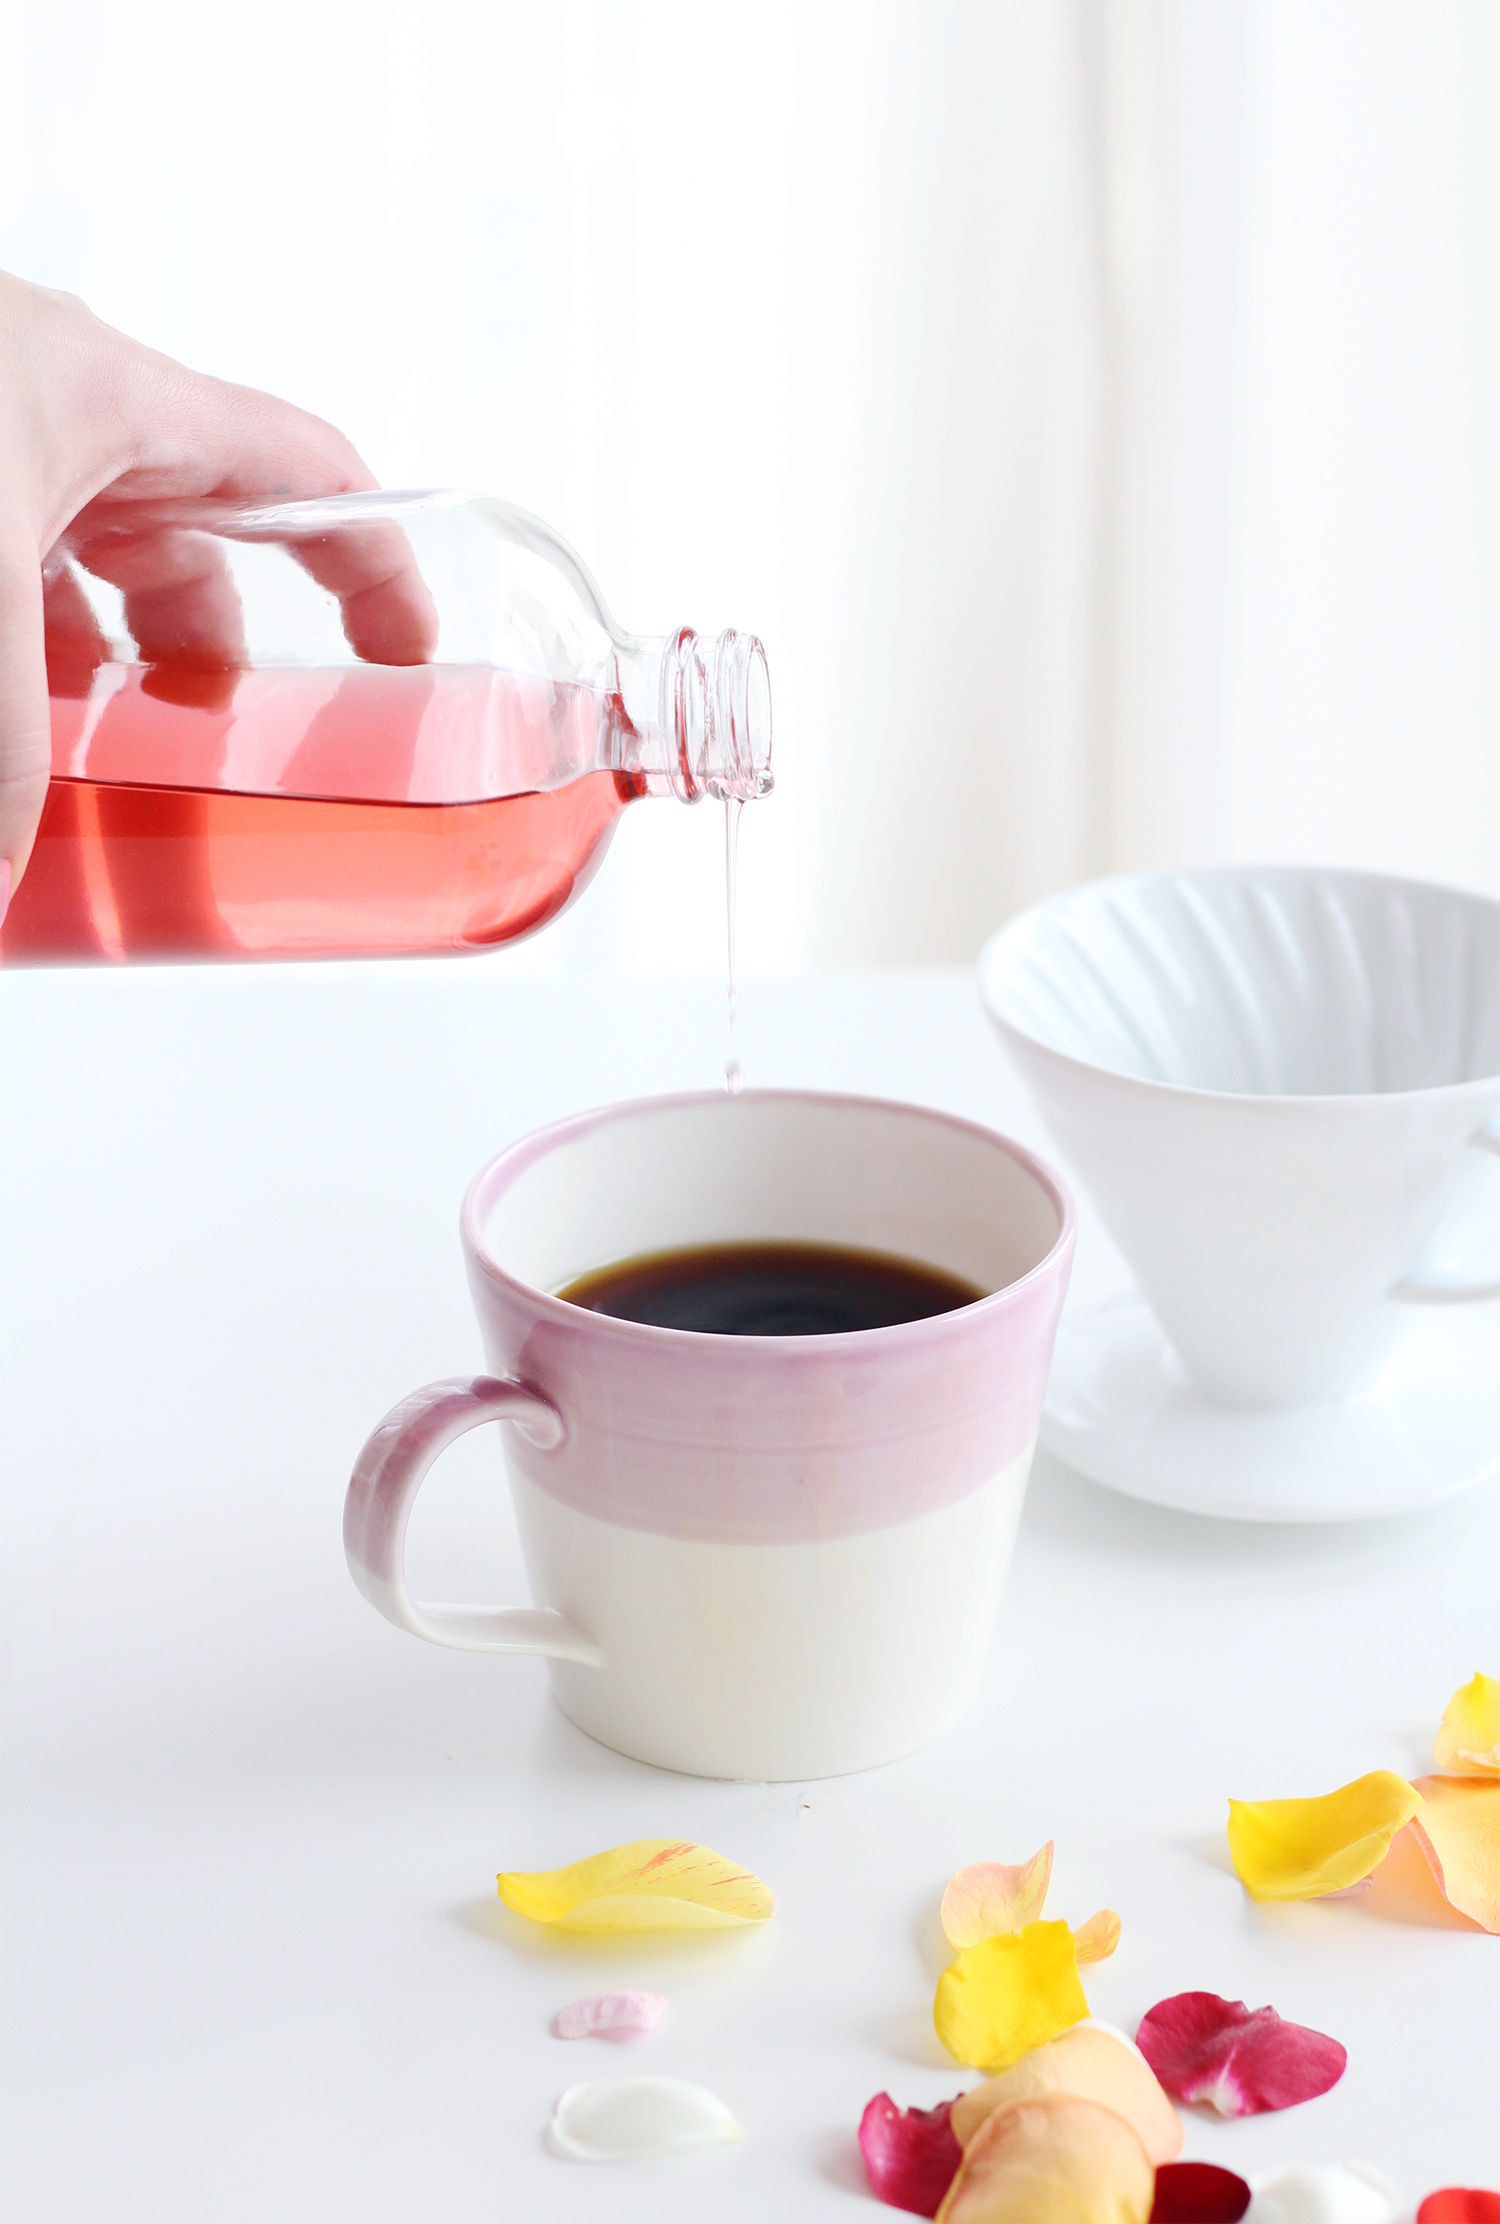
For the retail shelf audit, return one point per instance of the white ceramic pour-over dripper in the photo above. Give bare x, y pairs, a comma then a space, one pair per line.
1267, 1077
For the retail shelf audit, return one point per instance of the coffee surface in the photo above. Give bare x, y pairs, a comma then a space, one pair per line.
770, 1289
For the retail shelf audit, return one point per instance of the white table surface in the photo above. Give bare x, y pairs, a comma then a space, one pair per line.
254, 1963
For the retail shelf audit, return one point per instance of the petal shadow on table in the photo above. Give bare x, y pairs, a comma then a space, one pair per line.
1404, 1890
623, 1951
837, 2159
903, 2028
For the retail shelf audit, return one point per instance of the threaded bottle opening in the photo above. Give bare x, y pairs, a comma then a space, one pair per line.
716, 716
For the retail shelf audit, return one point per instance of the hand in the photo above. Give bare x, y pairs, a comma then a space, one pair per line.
92, 423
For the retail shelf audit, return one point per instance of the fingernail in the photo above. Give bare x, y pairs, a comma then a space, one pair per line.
5, 881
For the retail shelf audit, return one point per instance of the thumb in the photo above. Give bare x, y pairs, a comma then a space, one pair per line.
25, 722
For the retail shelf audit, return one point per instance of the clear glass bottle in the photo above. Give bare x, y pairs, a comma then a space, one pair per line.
374, 724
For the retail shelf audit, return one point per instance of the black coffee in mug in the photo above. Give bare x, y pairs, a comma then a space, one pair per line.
770, 1289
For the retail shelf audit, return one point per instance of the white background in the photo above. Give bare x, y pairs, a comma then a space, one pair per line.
1093, 405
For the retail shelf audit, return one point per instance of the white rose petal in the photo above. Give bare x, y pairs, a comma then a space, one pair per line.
1323, 2193
635, 2119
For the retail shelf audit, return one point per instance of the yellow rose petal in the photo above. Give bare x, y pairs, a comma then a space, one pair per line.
1091, 2064
1298, 1849
989, 1898
654, 1884
1006, 1995
1459, 1831
1468, 1744
1097, 1939
1052, 2160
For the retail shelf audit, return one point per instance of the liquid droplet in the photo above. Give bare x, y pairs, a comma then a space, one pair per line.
734, 1078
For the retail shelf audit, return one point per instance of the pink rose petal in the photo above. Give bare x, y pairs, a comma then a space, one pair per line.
609, 2015
1240, 2061
910, 2153
1198, 2193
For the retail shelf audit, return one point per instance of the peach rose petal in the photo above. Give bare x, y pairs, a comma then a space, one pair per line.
1097, 1939
654, 1884
999, 1999
988, 1899
1303, 1849
1468, 1744
1459, 1831
1092, 2064
910, 2154
1054, 2159
609, 2015
1242, 2062
1198, 2193
1460, 2204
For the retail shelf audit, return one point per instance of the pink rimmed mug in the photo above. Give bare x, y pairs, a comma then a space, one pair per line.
762, 1557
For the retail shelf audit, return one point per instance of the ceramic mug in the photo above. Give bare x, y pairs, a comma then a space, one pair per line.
758, 1557
1269, 1079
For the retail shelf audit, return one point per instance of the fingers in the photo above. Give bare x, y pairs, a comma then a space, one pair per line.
234, 445
388, 615
76, 646
181, 604
188, 436
25, 724
91, 424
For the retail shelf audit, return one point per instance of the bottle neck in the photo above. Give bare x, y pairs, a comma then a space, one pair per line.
698, 715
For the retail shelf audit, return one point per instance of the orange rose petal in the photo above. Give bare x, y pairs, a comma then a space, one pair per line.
1097, 1939
1459, 1831
1092, 2064
1468, 1744
989, 1898
1049, 2159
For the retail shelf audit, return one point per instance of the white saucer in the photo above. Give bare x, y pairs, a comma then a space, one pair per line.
1123, 1411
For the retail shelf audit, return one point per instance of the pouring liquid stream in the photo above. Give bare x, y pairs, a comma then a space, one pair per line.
734, 1078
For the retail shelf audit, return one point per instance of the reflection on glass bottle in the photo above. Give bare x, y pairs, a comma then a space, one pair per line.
369, 725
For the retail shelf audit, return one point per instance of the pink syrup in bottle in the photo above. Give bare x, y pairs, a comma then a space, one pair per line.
312, 813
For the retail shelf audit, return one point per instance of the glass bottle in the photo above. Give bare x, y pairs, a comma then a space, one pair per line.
374, 724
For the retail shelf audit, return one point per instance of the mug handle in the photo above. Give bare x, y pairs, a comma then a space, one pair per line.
1439, 1289
383, 1489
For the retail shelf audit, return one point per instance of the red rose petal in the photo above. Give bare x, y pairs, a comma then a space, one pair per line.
1460, 2204
1240, 2061
1202, 2193
910, 2153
